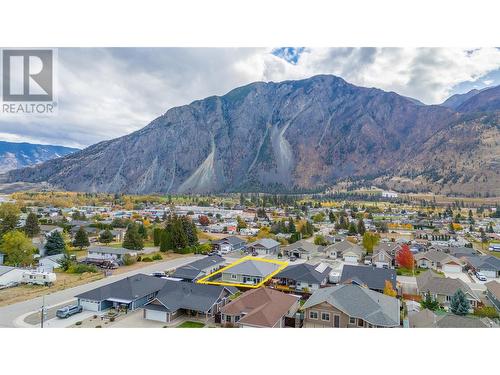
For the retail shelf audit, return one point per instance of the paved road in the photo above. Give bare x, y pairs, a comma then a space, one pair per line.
13, 315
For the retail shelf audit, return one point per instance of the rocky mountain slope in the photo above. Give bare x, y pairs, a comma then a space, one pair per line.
281, 137
19, 155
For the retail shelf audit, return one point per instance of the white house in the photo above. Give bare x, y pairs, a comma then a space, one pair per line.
10, 275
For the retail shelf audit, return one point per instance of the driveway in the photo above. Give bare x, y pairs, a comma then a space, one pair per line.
13, 315
459, 275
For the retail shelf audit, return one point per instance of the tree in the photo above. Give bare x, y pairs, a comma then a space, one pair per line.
81, 239
55, 243
331, 217
352, 229
17, 248
459, 304
142, 231
320, 240
156, 236
241, 223
204, 220
190, 229
133, 240
429, 302
291, 225
361, 227
370, 240
9, 217
166, 241
389, 290
31, 228
404, 257
106, 237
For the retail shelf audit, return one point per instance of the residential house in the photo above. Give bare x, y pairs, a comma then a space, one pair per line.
443, 288
10, 275
301, 249
304, 277
130, 293
199, 268
228, 244
108, 252
249, 272
336, 250
493, 293
428, 319
371, 277
261, 307
264, 246
178, 298
382, 258
461, 251
439, 261
350, 306
51, 262
353, 255
488, 265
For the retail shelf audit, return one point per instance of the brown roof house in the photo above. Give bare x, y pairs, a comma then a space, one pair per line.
260, 308
443, 288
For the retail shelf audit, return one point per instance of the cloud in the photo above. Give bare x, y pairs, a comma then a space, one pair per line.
106, 93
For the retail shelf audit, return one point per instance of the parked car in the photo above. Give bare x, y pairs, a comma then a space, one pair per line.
293, 258
68, 311
481, 277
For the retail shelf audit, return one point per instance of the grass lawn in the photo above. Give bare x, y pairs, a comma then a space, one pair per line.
189, 324
407, 272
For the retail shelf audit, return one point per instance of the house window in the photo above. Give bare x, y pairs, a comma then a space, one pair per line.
233, 276
325, 316
448, 298
237, 318
360, 322
352, 320
313, 315
228, 318
336, 321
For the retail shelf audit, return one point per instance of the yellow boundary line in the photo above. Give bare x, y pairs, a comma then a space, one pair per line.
282, 265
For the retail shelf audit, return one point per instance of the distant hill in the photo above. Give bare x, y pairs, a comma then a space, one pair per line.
456, 100
487, 100
291, 136
19, 155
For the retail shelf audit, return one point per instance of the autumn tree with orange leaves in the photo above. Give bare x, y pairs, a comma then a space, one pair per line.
404, 257
389, 290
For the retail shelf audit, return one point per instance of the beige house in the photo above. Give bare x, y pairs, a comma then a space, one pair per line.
350, 306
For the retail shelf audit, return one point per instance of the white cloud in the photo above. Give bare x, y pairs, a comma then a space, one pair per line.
106, 93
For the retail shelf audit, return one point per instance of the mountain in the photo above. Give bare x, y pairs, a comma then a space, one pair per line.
485, 101
291, 136
456, 100
19, 155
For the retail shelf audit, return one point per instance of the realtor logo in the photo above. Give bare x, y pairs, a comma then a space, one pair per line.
27, 75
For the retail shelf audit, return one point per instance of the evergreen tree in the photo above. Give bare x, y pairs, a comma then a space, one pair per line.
81, 239
106, 237
55, 244
459, 304
190, 229
331, 217
157, 236
291, 225
429, 303
32, 228
143, 231
166, 240
361, 227
352, 229
133, 240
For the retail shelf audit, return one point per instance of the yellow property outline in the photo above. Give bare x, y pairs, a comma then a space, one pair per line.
282, 265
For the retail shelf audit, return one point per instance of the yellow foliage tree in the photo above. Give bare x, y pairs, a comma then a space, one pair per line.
389, 290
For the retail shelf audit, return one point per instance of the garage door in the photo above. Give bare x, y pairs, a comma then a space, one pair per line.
351, 259
89, 305
488, 273
160, 316
452, 268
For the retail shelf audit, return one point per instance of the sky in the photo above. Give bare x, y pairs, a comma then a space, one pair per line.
105, 93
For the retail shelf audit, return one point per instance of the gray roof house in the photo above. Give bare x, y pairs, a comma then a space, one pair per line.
264, 246
177, 298
493, 293
132, 292
303, 277
231, 243
428, 319
371, 277
486, 264
108, 252
301, 249
199, 268
249, 272
349, 306
50, 262
443, 288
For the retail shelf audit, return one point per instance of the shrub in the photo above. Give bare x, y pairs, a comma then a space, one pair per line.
98, 326
147, 259
128, 260
139, 258
81, 268
112, 319
399, 272
78, 323
486, 311
157, 257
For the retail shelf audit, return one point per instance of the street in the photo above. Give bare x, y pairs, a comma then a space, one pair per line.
13, 315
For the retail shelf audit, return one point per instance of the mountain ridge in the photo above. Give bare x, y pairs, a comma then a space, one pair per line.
275, 136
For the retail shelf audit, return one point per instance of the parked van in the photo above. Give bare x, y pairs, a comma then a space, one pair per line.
38, 277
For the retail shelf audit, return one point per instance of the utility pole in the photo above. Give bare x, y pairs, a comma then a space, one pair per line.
42, 312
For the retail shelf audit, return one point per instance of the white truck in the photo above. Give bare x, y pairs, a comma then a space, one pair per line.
38, 277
